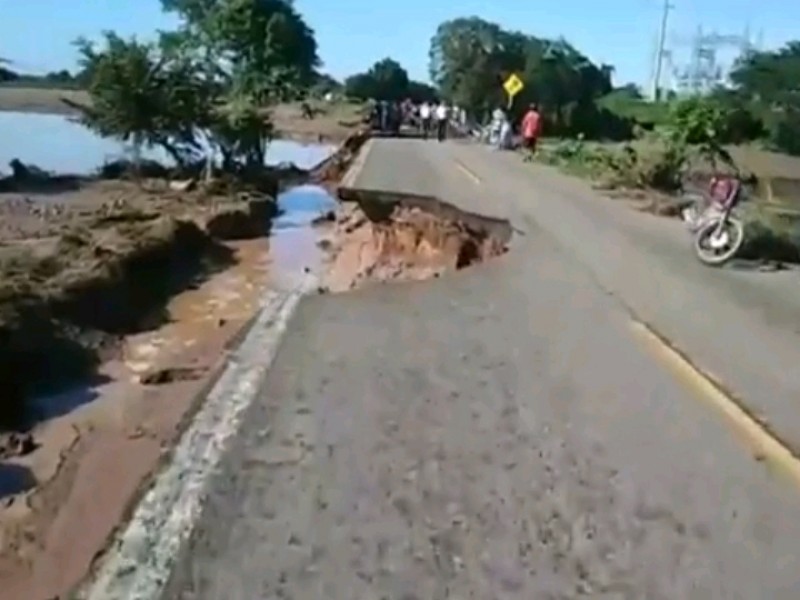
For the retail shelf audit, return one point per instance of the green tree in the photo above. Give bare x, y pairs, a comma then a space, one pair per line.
142, 96
6, 74
421, 92
212, 80
566, 85
60, 77
385, 80
324, 83
257, 53
766, 82
470, 58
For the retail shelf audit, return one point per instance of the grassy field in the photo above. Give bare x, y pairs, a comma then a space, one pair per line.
646, 176
778, 174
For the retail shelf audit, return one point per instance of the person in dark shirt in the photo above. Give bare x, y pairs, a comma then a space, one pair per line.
384, 113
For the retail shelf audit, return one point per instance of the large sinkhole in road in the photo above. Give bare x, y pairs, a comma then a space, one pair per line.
382, 236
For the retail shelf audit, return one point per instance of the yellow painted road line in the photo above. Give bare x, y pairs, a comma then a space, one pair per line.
467, 171
765, 447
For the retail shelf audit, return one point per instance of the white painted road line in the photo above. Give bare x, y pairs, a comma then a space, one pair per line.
140, 561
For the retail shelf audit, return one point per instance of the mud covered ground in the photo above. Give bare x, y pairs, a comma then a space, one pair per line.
118, 302
80, 268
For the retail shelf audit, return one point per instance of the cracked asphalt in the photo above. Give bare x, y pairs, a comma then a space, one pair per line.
502, 432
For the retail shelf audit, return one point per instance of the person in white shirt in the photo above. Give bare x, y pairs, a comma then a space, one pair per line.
425, 118
496, 127
441, 120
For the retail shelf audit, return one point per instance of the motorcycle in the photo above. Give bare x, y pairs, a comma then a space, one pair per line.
718, 233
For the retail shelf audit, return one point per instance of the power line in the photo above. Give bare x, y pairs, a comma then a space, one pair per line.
662, 39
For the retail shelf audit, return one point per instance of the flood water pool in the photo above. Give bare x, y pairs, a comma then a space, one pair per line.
57, 144
293, 245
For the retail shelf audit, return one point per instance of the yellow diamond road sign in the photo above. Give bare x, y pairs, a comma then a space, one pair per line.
513, 85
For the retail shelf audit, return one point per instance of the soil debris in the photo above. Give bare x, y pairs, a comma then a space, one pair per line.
16, 444
170, 374
79, 271
404, 241
140, 283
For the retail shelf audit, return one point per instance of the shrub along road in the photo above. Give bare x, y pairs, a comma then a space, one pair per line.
514, 430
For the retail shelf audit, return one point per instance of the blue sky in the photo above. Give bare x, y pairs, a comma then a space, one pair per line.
352, 34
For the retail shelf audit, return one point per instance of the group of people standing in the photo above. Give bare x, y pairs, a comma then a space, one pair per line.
387, 116
437, 117
434, 115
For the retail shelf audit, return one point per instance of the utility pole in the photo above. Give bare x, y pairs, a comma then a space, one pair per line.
662, 40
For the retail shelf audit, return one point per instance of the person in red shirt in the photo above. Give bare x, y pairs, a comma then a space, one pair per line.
531, 128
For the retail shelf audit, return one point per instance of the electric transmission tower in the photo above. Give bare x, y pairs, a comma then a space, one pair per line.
705, 71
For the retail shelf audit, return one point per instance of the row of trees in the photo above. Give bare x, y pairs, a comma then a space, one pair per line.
208, 83
469, 60
54, 79
763, 102
471, 57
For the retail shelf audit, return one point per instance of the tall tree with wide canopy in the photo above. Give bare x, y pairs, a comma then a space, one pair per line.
213, 77
470, 58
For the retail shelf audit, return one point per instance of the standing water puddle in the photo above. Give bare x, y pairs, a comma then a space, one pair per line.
294, 249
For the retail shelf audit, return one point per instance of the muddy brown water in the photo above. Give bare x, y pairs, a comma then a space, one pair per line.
289, 252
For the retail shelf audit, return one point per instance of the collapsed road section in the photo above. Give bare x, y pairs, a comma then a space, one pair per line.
374, 237
383, 236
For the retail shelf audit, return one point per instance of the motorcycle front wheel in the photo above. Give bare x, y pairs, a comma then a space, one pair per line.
715, 248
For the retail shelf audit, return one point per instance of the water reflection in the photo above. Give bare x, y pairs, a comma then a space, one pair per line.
293, 245
55, 143
15, 479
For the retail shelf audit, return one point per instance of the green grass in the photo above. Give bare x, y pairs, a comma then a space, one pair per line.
772, 220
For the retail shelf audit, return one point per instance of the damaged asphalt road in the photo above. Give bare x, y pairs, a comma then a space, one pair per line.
496, 433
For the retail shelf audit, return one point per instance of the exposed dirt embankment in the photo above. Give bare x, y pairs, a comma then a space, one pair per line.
80, 269
86, 261
386, 237
143, 285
